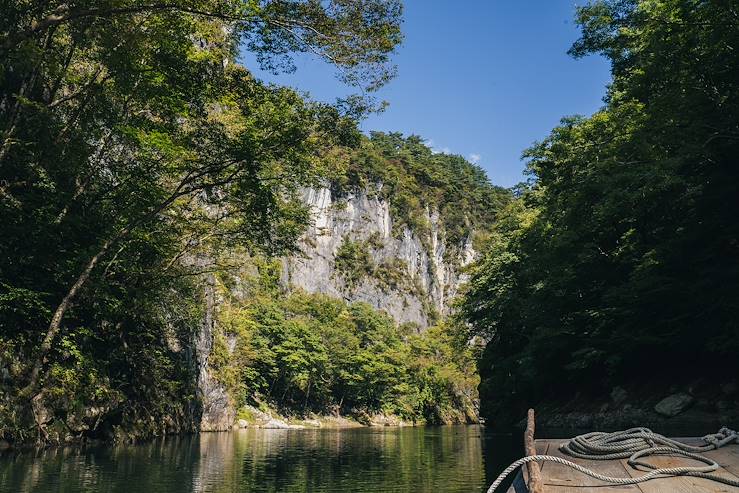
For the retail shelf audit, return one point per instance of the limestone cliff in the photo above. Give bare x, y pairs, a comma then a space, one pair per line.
411, 275
393, 227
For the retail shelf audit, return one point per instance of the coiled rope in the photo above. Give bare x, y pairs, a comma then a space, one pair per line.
634, 444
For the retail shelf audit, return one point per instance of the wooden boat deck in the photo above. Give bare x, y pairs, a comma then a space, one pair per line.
557, 478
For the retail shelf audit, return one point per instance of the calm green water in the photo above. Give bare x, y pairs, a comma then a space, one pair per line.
424, 459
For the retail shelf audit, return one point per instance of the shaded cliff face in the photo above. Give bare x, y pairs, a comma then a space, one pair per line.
353, 250
217, 409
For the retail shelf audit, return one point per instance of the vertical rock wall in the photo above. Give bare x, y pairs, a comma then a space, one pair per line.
430, 273
217, 409
425, 271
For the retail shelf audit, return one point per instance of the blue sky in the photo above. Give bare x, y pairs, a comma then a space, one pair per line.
484, 79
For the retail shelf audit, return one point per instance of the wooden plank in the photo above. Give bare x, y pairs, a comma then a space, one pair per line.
681, 484
559, 478
562, 479
727, 457
534, 473
542, 448
518, 485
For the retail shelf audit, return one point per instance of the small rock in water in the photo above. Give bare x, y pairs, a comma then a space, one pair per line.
674, 404
243, 423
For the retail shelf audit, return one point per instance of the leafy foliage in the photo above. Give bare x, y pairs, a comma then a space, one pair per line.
132, 151
621, 257
309, 352
353, 261
418, 182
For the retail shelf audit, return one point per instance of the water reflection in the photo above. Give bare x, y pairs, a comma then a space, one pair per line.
443, 459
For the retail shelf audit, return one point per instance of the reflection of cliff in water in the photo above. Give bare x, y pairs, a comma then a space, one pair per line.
368, 459
407, 459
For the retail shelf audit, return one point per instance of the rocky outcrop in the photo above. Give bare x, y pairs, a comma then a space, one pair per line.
699, 409
217, 409
278, 424
413, 276
674, 404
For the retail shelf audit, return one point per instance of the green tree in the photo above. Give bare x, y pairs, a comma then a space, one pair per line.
301, 353
133, 149
621, 257
417, 181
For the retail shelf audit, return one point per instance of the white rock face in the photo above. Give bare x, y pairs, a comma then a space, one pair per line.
430, 278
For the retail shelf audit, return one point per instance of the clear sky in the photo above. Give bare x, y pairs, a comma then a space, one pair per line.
480, 78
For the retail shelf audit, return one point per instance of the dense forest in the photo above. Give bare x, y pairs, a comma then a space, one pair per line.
151, 186
301, 352
133, 149
141, 165
618, 265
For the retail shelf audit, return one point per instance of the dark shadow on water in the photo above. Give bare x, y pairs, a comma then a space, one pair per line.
499, 450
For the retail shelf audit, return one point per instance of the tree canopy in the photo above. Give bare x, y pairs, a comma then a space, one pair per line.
301, 352
621, 257
133, 147
418, 182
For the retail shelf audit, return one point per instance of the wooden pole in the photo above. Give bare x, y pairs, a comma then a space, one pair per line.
536, 485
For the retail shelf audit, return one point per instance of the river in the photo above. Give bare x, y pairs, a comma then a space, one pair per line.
421, 459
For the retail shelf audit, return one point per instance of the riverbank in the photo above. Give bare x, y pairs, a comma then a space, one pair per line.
252, 417
247, 417
689, 410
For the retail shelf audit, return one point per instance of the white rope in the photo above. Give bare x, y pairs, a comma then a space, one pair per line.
634, 444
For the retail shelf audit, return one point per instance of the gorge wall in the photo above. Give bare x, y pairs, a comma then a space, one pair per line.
382, 258
354, 251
